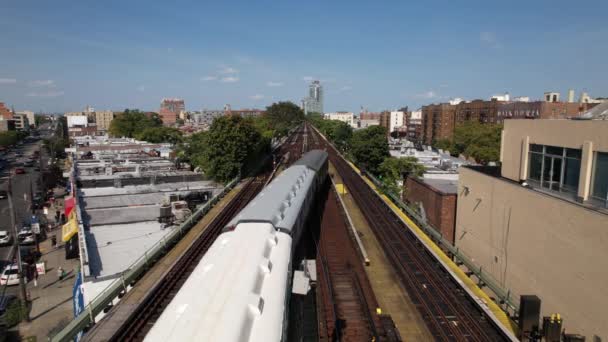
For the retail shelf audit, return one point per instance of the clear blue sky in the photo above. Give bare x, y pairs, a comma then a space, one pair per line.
60, 55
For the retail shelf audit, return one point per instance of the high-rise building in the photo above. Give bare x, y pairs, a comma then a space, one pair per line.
170, 108
30, 116
314, 102
103, 119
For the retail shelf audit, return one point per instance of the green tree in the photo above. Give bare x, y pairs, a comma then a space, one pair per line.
160, 135
230, 146
392, 170
282, 116
444, 144
369, 147
479, 141
131, 122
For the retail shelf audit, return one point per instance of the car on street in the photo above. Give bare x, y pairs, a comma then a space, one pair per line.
19, 171
5, 238
28, 163
10, 275
26, 237
3, 194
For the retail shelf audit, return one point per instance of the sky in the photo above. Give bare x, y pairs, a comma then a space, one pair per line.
58, 56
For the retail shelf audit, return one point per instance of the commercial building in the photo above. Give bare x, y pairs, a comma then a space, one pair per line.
346, 117
538, 222
170, 109
6, 125
129, 197
103, 119
314, 102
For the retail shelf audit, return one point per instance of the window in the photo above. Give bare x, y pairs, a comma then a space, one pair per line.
554, 168
600, 177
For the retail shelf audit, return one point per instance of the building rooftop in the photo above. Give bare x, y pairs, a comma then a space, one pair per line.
444, 185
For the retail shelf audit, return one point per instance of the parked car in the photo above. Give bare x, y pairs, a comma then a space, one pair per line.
28, 163
26, 237
5, 238
19, 171
3, 194
10, 275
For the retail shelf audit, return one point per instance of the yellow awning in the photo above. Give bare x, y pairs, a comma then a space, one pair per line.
70, 228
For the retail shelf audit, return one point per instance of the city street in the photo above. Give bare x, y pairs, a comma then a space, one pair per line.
22, 185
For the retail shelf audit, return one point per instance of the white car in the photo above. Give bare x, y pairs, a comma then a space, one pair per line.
5, 237
10, 275
26, 237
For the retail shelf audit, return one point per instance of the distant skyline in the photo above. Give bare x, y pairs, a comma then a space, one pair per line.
61, 56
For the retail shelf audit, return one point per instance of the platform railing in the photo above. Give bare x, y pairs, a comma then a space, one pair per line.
135, 270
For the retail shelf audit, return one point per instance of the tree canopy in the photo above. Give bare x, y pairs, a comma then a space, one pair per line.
281, 116
132, 122
476, 140
231, 144
9, 138
369, 147
160, 134
392, 170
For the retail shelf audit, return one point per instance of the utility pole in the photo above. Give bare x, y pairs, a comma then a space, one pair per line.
17, 249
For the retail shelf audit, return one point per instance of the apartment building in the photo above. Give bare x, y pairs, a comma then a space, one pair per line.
538, 223
103, 119
346, 117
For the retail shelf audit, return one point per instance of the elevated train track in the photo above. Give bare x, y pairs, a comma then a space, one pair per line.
450, 314
150, 309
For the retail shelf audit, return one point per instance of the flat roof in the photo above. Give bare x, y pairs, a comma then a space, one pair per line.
114, 247
149, 188
444, 185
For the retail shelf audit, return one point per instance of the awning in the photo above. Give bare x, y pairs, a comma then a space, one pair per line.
69, 205
70, 229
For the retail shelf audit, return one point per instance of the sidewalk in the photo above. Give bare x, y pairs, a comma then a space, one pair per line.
51, 300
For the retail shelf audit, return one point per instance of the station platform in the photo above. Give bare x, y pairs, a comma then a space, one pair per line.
105, 329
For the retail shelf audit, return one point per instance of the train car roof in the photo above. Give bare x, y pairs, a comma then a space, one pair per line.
281, 201
314, 159
236, 293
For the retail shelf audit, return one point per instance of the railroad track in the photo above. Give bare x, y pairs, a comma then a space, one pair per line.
150, 309
345, 294
446, 309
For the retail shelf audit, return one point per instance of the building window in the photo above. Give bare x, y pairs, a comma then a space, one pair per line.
600, 177
554, 168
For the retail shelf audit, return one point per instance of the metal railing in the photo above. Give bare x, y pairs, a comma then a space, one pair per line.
486, 279
135, 270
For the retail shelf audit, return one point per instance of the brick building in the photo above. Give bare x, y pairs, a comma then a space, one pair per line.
438, 198
170, 108
369, 116
5, 113
437, 122
413, 123
541, 110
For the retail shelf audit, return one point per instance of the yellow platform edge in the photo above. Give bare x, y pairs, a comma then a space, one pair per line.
500, 315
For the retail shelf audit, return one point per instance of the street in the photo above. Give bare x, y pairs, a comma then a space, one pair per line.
22, 186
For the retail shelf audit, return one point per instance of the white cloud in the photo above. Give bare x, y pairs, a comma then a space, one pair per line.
308, 78
50, 93
228, 70
141, 88
256, 97
229, 79
490, 39
7, 80
427, 95
274, 84
42, 83
209, 78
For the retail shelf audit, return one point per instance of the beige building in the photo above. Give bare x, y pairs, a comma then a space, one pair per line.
21, 122
539, 224
30, 116
346, 117
103, 119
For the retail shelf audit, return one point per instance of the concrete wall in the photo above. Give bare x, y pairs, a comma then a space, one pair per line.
534, 243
